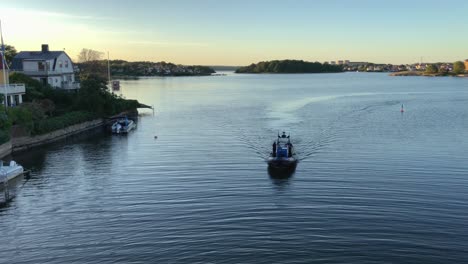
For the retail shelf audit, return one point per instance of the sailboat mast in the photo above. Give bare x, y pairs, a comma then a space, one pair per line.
5, 81
108, 72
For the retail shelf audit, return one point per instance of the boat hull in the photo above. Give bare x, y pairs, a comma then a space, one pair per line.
282, 162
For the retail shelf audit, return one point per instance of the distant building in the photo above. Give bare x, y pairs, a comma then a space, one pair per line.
340, 62
446, 67
346, 62
332, 62
357, 63
421, 66
466, 65
402, 68
49, 67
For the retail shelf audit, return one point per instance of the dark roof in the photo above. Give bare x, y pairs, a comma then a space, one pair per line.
17, 63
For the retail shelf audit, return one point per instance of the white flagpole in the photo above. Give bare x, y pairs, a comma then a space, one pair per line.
4, 69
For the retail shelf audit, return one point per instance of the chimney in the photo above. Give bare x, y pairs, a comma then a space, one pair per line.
45, 47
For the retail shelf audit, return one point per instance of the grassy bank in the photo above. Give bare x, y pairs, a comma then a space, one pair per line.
55, 123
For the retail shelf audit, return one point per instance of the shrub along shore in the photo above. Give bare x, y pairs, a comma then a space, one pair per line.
46, 109
426, 74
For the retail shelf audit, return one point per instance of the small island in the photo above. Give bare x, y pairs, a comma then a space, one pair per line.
121, 68
290, 66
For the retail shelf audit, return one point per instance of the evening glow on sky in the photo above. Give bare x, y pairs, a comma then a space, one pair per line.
241, 32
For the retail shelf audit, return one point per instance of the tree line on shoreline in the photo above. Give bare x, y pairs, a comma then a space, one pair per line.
290, 66
458, 68
92, 61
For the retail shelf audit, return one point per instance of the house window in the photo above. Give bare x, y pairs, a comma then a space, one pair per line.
60, 64
66, 64
41, 66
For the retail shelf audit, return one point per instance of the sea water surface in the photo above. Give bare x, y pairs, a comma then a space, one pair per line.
373, 185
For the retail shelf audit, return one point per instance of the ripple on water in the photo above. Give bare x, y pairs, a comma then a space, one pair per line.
373, 185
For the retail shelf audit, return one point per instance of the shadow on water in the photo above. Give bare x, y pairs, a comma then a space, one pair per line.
9, 193
281, 176
35, 159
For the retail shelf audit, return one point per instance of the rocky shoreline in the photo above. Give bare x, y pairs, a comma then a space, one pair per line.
419, 73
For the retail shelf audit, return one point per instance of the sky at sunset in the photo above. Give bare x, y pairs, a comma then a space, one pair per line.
240, 32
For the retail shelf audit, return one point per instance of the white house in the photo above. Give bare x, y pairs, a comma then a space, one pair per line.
50, 67
14, 92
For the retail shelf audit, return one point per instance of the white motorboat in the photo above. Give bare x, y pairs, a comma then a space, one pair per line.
10, 171
123, 126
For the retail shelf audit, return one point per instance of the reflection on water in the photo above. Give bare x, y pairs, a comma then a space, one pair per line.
9, 190
281, 177
371, 186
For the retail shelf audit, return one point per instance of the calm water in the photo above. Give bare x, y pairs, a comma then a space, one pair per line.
373, 185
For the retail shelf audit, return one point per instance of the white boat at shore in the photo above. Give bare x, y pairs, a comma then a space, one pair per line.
10, 171
123, 126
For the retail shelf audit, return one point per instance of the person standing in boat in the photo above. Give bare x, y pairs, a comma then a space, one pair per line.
274, 149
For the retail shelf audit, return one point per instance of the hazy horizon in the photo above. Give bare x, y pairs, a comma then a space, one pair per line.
236, 34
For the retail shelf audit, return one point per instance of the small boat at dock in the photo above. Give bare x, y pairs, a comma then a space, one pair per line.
123, 126
10, 171
283, 155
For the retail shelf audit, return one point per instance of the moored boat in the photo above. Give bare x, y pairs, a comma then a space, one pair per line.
10, 171
283, 155
123, 126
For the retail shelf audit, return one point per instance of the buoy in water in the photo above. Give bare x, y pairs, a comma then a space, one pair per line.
402, 109
155, 137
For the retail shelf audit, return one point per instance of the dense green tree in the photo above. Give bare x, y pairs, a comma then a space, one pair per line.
432, 69
94, 96
10, 53
91, 95
34, 88
458, 67
5, 125
21, 116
